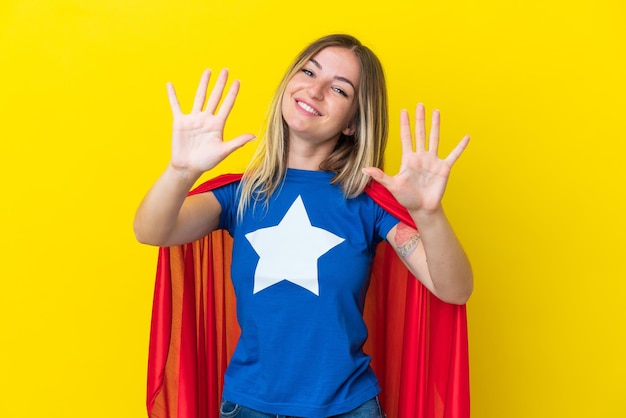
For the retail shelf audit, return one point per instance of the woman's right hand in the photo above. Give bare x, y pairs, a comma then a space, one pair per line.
198, 137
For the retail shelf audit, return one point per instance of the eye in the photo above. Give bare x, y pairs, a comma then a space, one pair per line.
308, 72
338, 90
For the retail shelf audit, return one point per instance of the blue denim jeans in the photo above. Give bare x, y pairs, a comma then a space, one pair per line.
370, 409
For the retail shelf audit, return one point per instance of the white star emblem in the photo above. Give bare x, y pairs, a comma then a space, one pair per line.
290, 250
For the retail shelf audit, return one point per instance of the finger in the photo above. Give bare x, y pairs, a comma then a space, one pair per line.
377, 174
420, 128
239, 142
216, 93
174, 105
433, 140
405, 132
200, 98
457, 151
229, 100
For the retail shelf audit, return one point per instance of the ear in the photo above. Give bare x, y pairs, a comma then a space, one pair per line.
350, 130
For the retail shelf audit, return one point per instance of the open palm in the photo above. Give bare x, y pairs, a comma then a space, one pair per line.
198, 137
421, 182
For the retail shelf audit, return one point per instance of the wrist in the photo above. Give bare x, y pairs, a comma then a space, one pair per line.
183, 175
427, 216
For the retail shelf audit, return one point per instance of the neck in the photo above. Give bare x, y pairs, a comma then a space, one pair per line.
304, 163
305, 155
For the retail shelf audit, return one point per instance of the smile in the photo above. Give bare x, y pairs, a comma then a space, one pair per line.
308, 108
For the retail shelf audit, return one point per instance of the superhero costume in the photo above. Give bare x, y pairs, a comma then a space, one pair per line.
418, 343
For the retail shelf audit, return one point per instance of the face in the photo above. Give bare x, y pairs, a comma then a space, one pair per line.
320, 100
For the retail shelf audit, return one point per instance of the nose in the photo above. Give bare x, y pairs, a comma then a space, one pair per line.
316, 91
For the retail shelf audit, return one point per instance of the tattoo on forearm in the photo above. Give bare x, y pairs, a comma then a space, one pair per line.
407, 239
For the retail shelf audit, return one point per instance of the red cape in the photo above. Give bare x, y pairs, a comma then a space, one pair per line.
417, 342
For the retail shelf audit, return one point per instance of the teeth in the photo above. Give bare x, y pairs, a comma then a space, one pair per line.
308, 108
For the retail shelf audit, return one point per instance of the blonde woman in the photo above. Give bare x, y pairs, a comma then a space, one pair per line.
304, 232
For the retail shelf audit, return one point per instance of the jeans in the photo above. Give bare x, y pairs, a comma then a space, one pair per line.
370, 409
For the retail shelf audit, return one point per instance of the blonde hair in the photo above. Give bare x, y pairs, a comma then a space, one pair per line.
365, 148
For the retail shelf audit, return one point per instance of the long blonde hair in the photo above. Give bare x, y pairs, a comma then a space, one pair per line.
365, 148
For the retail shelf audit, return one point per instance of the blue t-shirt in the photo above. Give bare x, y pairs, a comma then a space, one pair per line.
301, 271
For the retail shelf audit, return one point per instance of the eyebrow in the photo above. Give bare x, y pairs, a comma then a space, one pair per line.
337, 77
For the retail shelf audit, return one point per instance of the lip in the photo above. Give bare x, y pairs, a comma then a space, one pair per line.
303, 111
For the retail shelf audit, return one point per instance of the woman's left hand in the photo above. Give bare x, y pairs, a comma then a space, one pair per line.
421, 182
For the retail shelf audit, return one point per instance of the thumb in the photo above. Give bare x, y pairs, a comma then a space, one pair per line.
377, 174
239, 142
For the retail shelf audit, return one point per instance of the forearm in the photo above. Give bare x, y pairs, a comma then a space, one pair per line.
448, 265
158, 213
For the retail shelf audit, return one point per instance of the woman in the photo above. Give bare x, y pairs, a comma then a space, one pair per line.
304, 232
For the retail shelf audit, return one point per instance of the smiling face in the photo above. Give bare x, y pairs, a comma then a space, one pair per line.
320, 100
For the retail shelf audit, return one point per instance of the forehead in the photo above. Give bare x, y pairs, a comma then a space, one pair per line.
338, 62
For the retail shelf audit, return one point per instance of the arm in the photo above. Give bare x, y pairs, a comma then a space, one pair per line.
439, 263
166, 216
434, 255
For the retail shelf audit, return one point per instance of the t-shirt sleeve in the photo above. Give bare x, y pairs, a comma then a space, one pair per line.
227, 196
385, 221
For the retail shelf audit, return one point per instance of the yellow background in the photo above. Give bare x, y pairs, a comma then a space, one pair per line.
537, 199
